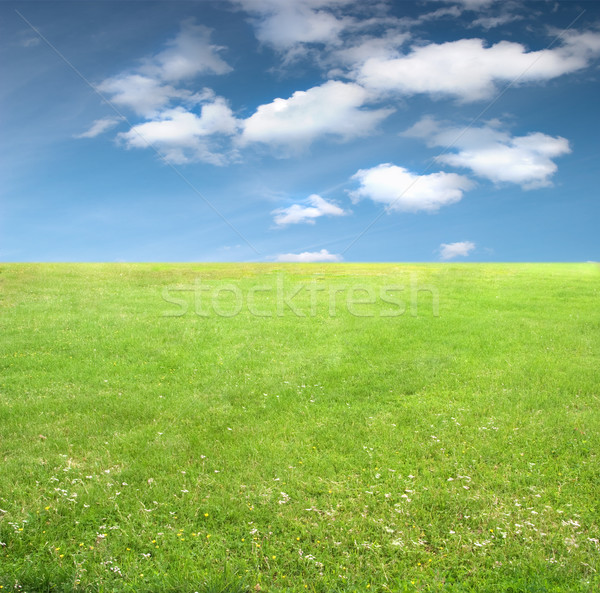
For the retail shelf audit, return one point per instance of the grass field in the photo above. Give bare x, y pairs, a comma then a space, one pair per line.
182, 428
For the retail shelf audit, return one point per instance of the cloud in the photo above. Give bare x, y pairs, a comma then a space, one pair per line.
297, 213
361, 48
142, 94
284, 24
403, 191
147, 96
183, 136
489, 22
310, 256
150, 87
99, 127
475, 4
494, 154
469, 70
30, 41
332, 109
190, 53
452, 250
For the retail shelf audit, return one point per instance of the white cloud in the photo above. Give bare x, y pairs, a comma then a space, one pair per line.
183, 136
150, 88
142, 94
30, 41
190, 53
452, 250
285, 24
489, 22
470, 71
494, 154
297, 213
99, 127
334, 108
470, 4
475, 4
364, 47
310, 256
401, 190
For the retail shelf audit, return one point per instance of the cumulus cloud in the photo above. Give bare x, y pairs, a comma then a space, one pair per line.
403, 191
315, 207
99, 127
333, 109
452, 250
469, 70
310, 256
494, 154
183, 136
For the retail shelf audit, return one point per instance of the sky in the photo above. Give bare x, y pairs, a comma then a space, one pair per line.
299, 130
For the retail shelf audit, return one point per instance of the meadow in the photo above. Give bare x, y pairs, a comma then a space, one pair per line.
323, 428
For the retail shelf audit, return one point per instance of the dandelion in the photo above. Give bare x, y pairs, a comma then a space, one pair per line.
206, 514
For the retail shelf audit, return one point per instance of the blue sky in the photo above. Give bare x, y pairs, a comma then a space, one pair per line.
299, 130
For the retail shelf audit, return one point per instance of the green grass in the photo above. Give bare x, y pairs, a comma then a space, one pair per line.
147, 451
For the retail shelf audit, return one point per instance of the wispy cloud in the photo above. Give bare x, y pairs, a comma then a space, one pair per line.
99, 127
315, 207
490, 22
310, 256
190, 53
285, 24
152, 86
458, 249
